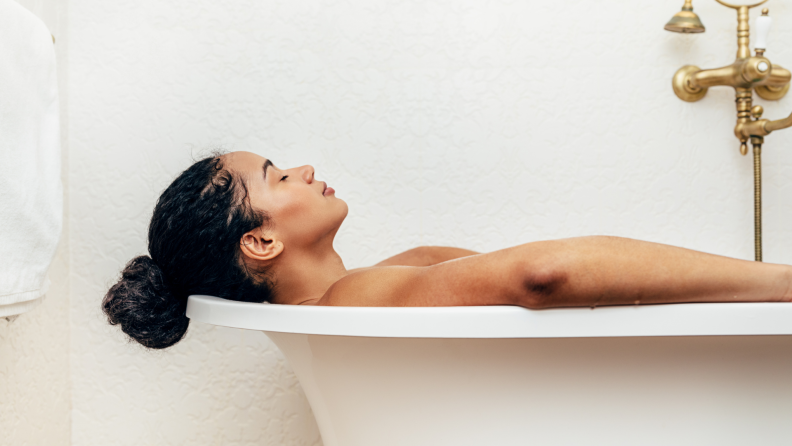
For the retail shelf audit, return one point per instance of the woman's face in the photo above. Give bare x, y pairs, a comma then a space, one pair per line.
301, 213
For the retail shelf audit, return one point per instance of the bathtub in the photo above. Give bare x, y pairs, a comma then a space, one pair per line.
682, 374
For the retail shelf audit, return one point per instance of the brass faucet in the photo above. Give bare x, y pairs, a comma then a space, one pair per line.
745, 74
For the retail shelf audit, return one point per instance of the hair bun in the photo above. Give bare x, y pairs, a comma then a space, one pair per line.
144, 306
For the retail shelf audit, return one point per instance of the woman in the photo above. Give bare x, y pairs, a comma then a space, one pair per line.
238, 227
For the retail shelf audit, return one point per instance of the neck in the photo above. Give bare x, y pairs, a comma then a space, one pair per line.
303, 277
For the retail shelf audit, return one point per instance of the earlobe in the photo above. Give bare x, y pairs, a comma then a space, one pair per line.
256, 245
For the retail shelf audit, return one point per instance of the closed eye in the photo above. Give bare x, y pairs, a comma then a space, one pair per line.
284, 177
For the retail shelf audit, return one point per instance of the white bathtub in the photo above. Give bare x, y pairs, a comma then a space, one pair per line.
689, 374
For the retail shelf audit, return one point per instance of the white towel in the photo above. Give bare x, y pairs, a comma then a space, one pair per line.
31, 194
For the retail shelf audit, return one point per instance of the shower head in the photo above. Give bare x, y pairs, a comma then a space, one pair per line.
685, 21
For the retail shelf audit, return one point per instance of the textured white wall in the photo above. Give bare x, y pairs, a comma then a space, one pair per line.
35, 383
479, 124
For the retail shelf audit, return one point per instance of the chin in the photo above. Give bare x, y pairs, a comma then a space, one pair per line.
340, 215
345, 210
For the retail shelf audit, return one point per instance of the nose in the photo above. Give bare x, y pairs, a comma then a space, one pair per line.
307, 173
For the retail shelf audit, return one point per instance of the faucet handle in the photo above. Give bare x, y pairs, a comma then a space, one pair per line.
763, 23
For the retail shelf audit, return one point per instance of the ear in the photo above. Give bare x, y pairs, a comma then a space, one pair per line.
256, 245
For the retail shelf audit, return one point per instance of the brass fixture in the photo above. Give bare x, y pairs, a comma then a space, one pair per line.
685, 21
756, 143
746, 74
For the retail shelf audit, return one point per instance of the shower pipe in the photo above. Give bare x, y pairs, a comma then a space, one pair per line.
746, 74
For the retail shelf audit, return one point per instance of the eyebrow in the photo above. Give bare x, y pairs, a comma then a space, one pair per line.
266, 164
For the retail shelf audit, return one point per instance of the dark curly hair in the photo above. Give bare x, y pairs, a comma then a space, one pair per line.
193, 240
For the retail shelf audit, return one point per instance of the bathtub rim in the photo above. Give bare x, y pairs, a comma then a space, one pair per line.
693, 319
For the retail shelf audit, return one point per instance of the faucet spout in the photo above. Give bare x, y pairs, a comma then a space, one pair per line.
761, 127
779, 124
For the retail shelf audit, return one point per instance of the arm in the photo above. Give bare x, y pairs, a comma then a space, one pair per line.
594, 271
583, 271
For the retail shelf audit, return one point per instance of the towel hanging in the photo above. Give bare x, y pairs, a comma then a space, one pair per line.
31, 194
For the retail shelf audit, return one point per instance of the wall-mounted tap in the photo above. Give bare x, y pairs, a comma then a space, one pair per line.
746, 74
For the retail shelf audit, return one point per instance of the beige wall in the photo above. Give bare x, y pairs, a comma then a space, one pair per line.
35, 379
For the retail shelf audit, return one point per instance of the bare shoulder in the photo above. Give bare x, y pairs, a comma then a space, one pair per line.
496, 278
378, 286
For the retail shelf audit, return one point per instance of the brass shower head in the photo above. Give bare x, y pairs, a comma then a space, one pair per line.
685, 21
